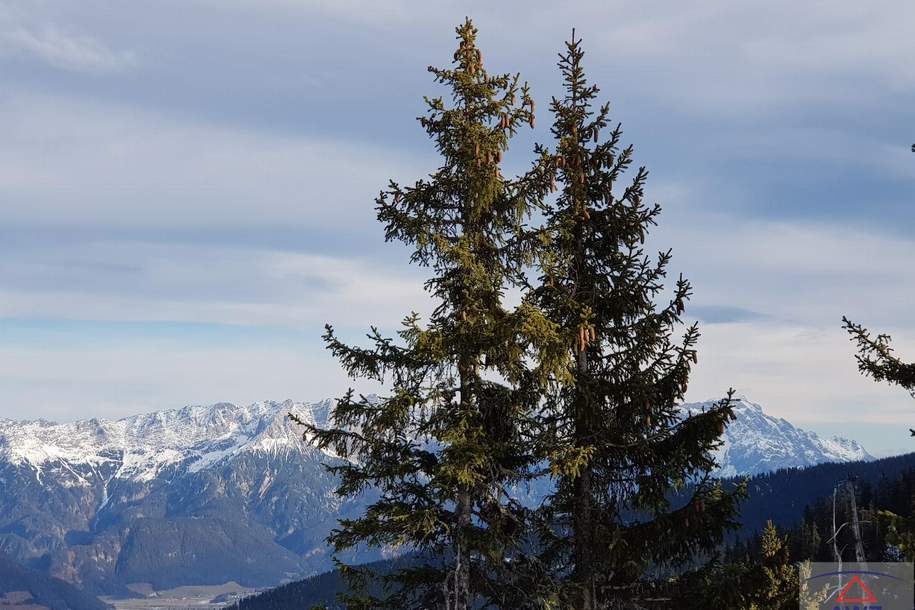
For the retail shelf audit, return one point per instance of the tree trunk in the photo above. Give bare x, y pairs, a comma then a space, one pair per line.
855, 525
581, 518
461, 573
461, 600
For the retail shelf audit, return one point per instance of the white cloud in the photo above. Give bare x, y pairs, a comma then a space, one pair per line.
805, 374
85, 164
65, 50
134, 377
127, 281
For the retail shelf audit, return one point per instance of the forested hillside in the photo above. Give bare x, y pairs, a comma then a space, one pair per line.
797, 501
55, 594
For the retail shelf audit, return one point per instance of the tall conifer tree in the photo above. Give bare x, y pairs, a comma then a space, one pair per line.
449, 438
617, 442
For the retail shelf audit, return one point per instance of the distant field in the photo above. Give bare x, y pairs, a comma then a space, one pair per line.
180, 598
163, 603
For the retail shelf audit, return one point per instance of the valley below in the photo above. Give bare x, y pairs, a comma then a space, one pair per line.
180, 598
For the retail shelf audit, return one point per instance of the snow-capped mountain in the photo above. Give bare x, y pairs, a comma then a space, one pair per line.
755, 443
187, 496
141, 447
205, 495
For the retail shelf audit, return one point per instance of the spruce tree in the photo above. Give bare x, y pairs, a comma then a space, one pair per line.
616, 441
448, 439
775, 586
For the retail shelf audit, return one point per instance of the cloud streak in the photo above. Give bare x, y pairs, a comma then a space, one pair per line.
65, 51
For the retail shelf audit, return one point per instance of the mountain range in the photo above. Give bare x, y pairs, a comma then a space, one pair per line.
210, 494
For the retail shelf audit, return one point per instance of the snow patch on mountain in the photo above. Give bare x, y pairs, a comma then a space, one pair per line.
142, 446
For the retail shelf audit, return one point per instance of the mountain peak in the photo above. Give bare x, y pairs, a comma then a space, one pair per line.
756, 442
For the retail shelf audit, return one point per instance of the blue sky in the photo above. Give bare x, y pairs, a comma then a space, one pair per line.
186, 187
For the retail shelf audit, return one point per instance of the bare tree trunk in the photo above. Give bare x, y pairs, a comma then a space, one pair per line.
855, 525
835, 542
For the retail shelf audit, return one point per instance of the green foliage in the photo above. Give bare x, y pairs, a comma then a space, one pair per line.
876, 358
767, 581
776, 585
612, 430
584, 375
900, 532
450, 438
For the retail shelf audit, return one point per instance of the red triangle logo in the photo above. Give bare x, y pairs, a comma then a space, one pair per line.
868, 596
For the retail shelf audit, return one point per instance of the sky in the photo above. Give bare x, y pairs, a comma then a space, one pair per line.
186, 188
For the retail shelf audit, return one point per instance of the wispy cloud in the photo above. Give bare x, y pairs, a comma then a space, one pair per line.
65, 50
205, 284
84, 164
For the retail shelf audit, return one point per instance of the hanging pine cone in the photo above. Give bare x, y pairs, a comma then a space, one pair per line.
560, 161
553, 185
585, 214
